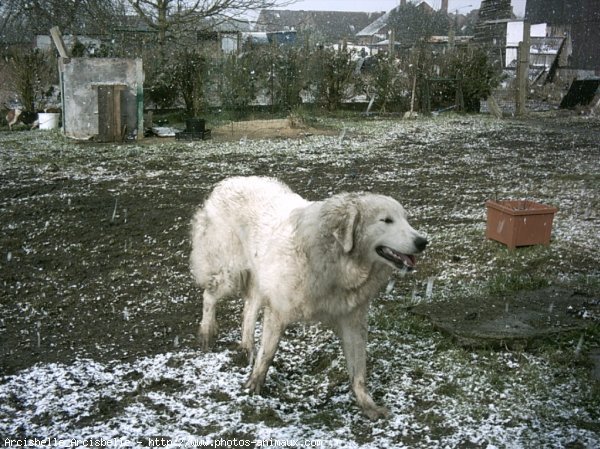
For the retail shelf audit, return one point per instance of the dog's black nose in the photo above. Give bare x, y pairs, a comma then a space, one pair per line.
421, 243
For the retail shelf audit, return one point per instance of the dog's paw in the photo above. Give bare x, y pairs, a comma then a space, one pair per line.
249, 356
254, 384
207, 339
374, 413
247, 353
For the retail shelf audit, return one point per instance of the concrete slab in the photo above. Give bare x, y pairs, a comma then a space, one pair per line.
516, 320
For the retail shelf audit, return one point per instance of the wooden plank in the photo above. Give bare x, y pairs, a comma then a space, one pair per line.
105, 113
58, 42
116, 123
109, 113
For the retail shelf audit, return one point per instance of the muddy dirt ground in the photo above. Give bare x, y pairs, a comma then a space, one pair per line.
90, 233
81, 253
94, 247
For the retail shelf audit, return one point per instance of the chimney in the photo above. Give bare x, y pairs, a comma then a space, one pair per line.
402, 2
444, 6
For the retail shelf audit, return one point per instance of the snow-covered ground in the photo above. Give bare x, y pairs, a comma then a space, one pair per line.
168, 393
438, 398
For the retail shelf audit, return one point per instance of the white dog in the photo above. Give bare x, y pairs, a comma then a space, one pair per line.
300, 261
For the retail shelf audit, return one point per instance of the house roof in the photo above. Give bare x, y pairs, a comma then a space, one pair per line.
331, 25
224, 24
375, 27
380, 23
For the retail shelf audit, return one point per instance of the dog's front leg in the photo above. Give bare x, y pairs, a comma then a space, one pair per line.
352, 331
273, 328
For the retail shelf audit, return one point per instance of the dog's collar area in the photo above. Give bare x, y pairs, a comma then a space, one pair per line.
400, 260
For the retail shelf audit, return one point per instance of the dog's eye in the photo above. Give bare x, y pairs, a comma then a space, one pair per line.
387, 220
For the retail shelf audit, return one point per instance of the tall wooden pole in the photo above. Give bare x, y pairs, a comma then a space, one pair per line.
523, 70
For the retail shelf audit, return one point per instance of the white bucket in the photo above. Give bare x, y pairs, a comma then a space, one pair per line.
48, 120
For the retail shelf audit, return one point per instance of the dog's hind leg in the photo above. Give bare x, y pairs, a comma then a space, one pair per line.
208, 326
220, 285
352, 331
273, 328
251, 307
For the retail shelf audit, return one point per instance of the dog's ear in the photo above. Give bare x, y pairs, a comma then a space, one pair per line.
343, 219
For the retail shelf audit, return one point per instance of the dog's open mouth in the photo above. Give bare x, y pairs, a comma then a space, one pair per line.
400, 260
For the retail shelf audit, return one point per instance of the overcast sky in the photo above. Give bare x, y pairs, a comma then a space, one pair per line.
375, 5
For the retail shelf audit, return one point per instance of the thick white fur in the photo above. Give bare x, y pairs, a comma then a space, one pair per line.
299, 261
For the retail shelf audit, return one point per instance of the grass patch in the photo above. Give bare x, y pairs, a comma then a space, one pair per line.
362, 430
252, 414
329, 419
219, 396
507, 283
241, 438
450, 389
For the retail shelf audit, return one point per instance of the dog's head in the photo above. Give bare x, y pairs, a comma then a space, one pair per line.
374, 227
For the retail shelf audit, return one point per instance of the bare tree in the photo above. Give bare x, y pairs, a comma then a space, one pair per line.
26, 18
170, 16
412, 23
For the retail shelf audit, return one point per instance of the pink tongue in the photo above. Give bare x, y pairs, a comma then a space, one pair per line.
409, 260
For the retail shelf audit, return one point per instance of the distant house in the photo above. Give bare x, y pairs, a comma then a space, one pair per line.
129, 34
211, 35
218, 36
378, 30
132, 35
500, 29
544, 50
576, 20
328, 27
491, 27
44, 42
564, 33
376, 36
259, 38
